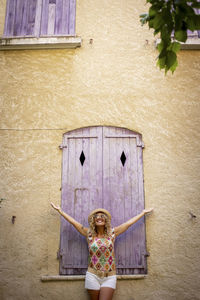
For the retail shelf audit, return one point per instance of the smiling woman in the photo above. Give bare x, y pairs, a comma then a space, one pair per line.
100, 280
100, 219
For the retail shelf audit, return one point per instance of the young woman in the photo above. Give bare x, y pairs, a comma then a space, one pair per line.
100, 280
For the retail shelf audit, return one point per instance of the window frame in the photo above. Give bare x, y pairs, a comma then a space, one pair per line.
67, 231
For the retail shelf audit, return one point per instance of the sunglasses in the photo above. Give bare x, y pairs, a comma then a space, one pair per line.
99, 216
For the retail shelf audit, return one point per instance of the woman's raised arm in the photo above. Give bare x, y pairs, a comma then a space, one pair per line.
123, 227
83, 230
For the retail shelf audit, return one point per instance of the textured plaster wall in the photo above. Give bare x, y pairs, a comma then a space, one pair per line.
111, 80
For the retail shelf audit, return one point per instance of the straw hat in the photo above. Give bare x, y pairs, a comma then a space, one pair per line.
97, 211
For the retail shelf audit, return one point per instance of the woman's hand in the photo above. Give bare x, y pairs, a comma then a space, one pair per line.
83, 230
147, 211
55, 207
123, 227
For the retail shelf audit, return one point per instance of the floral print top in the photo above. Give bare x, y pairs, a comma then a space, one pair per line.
101, 252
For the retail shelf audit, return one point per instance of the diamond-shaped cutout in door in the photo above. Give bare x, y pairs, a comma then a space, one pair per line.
123, 158
82, 158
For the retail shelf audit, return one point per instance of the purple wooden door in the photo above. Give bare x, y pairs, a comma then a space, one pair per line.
102, 167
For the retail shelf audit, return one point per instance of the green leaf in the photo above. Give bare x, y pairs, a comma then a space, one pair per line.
144, 18
196, 22
158, 21
178, 20
175, 47
178, 2
162, 53
196, 5
174, 66
144, 15
181, 35
156, 32
161, 62
151, 23
191, 24
165, 34
152, 12
160, 46
170, 59
162, 59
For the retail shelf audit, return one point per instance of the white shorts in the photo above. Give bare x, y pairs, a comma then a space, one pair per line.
93, 282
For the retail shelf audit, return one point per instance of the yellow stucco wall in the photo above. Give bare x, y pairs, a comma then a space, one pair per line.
111, 81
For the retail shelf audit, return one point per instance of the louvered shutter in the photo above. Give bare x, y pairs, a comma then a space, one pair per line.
21, 17
58, 17
102, 167
123, 195
40, 18
81, 193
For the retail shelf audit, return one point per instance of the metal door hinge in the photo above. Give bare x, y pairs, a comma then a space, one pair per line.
141, 144
59, 254
146, 254
62, 146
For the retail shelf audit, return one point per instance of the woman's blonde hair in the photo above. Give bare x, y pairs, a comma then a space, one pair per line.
93, 230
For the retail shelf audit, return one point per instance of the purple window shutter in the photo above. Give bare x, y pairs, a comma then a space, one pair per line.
72, 17
44, 17
20, 18
81, 192
58, 17
40, 17
123, 195
102, 167
10, 18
